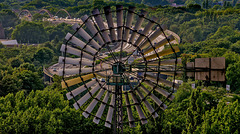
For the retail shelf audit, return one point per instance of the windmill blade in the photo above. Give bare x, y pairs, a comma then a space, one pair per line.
92, 29
74, 61
80, 43
146, 30
77, 80
129, 111
132, 75
93, 104
163, 53
165, 62
154, 98
108, 15
159, 44
147, 104
163, 81
110, 112
139, 110
177, 73
76, 52
100, 24
80, 89
137, 26
85, 35
119, 9
160, 90
83, 99
101, 109
130, 14
74, 71
153, 36
101, 74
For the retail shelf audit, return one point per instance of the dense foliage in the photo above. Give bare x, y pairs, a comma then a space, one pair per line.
42, 112
192, 111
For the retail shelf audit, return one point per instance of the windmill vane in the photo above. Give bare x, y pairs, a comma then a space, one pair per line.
101, 81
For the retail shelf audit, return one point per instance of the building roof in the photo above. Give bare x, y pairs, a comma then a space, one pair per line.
9, 42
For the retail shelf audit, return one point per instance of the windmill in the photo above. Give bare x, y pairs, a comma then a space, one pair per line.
111, 88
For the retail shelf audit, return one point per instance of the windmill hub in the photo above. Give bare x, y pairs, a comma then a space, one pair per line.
118, 68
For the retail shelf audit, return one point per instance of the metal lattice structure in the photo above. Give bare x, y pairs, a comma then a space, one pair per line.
110, 89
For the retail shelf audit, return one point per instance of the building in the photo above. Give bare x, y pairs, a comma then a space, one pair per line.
9, 43
175, 5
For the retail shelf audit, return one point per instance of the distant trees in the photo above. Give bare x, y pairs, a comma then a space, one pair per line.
15, 61
236, 47
35, 32
227, 4
187, 2
8, 18
206, 4
43, 55
3, 6
59, 30
224, 31
39, 17
30, 32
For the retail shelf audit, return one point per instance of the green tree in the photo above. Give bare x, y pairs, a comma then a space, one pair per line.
195, 111
9, 84
30, 32
187, 2
39, 17
217, 52
223, 32
204, 4
98, 4
3, 6
235, 47
43, 112
30, 80
27, 66
15, 61
43, 55
232, 75
237, 6
231, 57
8, 18
223, 119
1, 45
59, 30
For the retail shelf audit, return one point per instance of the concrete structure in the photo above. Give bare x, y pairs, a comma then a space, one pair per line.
48, 76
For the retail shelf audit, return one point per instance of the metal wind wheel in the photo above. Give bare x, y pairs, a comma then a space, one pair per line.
113, 66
